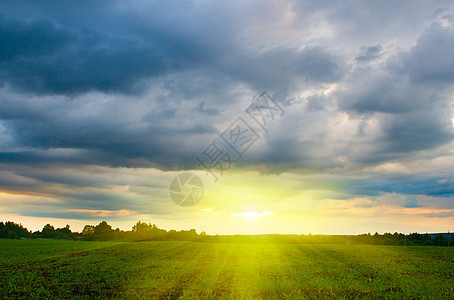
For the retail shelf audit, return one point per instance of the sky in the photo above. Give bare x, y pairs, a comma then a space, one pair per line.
104, 103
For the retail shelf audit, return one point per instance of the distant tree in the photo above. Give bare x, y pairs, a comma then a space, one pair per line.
11, 230
202, 236
144, 231
12, 235
171, 234
103, 231
88, 233
103, 228
427, 241
48, 232
440, 240
88, 230
141, 229
64, 233
186, 235
3, 231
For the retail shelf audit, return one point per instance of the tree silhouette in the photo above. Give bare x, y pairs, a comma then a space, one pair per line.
142, 231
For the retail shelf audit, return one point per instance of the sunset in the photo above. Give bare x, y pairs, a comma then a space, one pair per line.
286, 119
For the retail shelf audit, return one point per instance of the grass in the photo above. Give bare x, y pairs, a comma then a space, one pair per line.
188, 270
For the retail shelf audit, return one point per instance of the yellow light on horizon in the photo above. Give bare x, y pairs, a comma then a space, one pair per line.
252, 215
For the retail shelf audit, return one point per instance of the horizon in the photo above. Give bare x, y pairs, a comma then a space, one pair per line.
240, 118
230, 234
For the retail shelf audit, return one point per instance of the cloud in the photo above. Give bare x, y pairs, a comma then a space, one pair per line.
381, 92
114, 131
89, 90
202, 108
49, 55
38, 57
369, 53
442, 214
417, 131
430, 60
192, 69
35, 39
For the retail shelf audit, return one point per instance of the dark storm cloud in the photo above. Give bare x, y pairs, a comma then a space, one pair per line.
280, 68
150, 84
431, 60
37, 38
47, 54
38, 57
411, 118
73, 48
410, 95
314, 63
418, 130
411, 186
369, 53
112, 132
203, 108
384, 93
87, 60
65, 187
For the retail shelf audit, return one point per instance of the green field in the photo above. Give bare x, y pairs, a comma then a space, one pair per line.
173, 270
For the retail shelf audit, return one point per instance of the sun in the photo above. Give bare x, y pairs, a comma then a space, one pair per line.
252, 215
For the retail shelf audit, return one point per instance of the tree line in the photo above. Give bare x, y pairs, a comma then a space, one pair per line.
142, 231
101, 232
